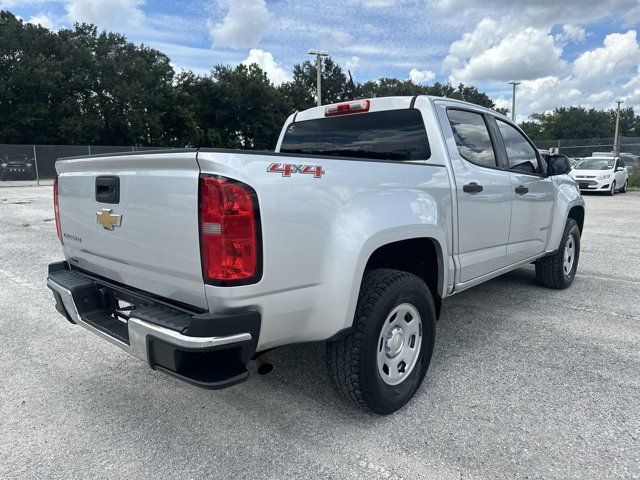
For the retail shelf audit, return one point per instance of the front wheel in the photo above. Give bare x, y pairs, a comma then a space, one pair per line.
612, 190
381, 363
558, 270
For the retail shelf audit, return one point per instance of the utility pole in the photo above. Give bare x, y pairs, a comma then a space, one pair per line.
513, 100
616, 139
319, 54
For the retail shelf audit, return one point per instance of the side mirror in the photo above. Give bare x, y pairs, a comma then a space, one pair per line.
619, 169
558, 165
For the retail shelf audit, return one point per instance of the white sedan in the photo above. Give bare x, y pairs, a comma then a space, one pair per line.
601, 174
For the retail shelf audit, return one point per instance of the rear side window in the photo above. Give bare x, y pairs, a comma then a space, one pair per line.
386, 135
472, 137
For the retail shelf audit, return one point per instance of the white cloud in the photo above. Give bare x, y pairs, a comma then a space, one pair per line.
544, 13
619, 54
267, 63
486, 34
353, 63
113, 14
572, 33
243, 26
600, 97
544, 93
522, 55
421, 76
340, 37
379, 3
597, 78
43, 19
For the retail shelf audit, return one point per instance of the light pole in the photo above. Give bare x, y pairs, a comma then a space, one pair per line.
616, 140
513, 100
318, 54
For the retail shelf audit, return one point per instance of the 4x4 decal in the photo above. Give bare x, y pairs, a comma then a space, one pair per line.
286, 169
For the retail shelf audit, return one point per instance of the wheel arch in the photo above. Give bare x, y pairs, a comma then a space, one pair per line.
577, 213
420, 256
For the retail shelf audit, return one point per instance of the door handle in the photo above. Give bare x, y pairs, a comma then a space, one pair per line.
521, 190
472, 187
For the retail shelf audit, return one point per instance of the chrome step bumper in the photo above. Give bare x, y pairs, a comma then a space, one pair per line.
213, 355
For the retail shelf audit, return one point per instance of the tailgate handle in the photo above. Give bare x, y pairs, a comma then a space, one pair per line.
108, 189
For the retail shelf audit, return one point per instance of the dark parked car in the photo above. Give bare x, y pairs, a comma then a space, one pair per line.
17, 167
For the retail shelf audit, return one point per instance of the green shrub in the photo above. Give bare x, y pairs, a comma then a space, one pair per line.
634, 180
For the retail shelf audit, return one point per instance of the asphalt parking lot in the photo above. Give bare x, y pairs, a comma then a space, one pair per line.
525, 383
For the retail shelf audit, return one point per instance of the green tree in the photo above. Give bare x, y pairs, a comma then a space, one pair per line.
82, 86
570, 123
250, 112
300, 93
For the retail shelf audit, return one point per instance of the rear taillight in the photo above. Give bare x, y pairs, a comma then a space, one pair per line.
229, 232
56, 208
357, 106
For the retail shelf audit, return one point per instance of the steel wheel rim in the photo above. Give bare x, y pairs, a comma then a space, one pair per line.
399, 344
569, 254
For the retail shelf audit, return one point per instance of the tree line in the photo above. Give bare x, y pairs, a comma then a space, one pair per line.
581, 123
85, 87
81, 86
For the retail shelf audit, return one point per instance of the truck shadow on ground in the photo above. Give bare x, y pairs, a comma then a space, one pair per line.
298, 383
467, 321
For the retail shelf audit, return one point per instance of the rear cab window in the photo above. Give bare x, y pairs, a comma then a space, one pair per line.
398, 135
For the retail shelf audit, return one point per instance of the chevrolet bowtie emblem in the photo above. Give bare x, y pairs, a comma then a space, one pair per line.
108, 219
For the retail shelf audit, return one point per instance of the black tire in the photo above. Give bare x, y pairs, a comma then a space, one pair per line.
352, 359
612, 190
624, 187
550, 271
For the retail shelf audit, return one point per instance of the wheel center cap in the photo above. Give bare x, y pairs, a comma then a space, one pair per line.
395, 342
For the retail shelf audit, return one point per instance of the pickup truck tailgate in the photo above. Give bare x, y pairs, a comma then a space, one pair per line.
149, 238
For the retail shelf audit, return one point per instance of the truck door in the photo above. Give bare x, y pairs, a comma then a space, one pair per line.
533, 195
482, 189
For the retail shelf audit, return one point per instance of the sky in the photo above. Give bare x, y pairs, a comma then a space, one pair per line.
565, 52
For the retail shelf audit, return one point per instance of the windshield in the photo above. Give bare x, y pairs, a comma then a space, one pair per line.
595, 164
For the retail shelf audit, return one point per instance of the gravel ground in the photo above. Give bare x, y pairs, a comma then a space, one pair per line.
525, 383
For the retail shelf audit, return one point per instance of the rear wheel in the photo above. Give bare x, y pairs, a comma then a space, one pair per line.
558, 270
624, 187
381, 363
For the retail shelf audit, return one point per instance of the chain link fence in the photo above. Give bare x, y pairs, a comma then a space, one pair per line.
35, 163
31, 164
580, 148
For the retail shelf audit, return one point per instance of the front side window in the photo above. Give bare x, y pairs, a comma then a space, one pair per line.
472, 137
385, 135
521, 155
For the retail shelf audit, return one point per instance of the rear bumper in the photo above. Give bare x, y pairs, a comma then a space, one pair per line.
204, 349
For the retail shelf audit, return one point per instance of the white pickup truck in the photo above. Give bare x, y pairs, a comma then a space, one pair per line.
367, 216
